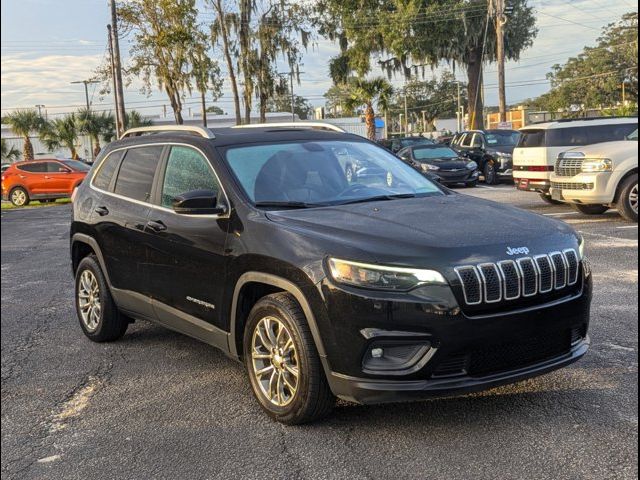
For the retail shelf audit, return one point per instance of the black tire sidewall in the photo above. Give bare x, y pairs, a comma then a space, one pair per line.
269, 307
490, 174
624, 205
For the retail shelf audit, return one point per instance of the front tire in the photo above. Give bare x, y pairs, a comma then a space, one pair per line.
628, 200
284, 368
98, 314
590, 209
19, 197
471, 184
490, 174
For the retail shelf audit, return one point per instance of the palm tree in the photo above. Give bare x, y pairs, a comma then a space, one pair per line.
94, 125
10, 153
369, 93
135, 119
61, 132
23, 123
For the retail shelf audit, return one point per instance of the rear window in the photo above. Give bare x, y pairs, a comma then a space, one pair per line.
576, 136
107, 168
135, 178
36, 167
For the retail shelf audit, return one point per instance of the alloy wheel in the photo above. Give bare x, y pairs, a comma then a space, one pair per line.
633, 199
89, 300
275, 361
18, 197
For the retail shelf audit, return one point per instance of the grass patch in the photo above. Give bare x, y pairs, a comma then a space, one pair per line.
34, 204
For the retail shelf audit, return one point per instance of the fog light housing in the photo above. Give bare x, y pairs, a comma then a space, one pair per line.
396, 357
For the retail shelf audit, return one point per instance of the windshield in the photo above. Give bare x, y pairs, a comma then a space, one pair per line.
323, 173
633, 136
502, 139
431, 153
76, 165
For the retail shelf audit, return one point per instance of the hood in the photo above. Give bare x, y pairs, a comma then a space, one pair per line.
426, 232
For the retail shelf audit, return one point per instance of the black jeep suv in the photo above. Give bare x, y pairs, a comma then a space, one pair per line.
383, 289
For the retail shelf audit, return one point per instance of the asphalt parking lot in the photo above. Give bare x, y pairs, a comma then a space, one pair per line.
160, 405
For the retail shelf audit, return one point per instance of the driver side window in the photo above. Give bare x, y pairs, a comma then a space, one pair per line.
187, 170
477, 141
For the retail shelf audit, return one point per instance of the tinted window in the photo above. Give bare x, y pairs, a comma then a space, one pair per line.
187, 170
106, 170
311, 173
76, 165
507, 138
477, 141
55, 167
428, 153
579, 136
135, 178
466, 140
36, 167
532, 138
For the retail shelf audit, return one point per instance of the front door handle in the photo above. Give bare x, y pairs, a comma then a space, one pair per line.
156, 226
102, 211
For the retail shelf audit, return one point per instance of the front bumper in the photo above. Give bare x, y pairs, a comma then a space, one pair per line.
532, 185
465, 351
586, 188
457, 176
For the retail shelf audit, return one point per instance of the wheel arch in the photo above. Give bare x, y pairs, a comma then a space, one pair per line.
83, 245
633, 171
269, 283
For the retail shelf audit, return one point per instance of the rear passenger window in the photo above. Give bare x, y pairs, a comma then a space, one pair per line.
187, 170
107, 168
36, 167
135, 178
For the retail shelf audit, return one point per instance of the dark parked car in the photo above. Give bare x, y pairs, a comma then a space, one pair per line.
397, 144
451, 167
492, 150
253, 240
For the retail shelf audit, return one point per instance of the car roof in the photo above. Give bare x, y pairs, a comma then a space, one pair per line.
225, 137
583, 122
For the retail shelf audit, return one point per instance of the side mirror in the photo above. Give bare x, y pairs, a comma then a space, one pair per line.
198, 202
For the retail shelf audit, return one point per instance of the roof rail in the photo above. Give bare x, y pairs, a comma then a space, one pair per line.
312, 125
197, 130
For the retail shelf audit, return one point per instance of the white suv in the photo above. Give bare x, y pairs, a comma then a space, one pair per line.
598, 177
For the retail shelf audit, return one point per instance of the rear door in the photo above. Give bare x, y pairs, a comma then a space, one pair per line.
122, 213
186, 255
33, 175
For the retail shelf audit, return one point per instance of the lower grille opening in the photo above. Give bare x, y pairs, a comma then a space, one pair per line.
509, 356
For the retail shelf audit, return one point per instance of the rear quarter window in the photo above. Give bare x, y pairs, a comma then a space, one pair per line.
137, 170
107, 168
579, 136
532, 138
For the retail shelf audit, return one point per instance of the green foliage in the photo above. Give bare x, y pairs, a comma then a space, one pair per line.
595, 77
337, 100
10, 154
437, 98
61, 132
23, 123
96, 125
215, 110
281, 102
369, 94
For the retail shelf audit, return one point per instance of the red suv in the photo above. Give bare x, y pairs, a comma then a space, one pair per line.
43, 180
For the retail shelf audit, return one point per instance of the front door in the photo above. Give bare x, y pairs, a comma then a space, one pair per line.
186, 256
59, 178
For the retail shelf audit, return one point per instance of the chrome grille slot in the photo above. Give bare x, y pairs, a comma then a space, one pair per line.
526, 277
492, 282
545, 273
471, 284
569, 167
573, 266
511, 278
560, 270
529, 277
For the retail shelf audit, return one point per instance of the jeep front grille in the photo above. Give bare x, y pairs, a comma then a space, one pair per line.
568, 167
510, 280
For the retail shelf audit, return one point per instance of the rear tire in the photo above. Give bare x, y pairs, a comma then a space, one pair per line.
19, 197
98, 314
490, 174
547, 199
628, 199
590, 209
277, 342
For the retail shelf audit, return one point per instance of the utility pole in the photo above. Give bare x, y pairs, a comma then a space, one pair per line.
40, 107
406, 111
501, 20
86, 90
459, 111
119, 121
293, 98
204, 109
117, 67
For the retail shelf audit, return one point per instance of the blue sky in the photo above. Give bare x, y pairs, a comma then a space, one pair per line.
46, 44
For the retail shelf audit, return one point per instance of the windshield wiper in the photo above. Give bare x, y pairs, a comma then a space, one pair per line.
377, 198
288, 205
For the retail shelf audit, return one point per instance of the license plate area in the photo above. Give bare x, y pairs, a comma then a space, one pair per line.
557, 194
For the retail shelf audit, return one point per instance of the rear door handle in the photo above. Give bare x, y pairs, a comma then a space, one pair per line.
102, 211
156, 226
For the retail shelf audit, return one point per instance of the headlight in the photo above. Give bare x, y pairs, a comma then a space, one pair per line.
380, 277
503, 155
472, 165
597, 165
427, 167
